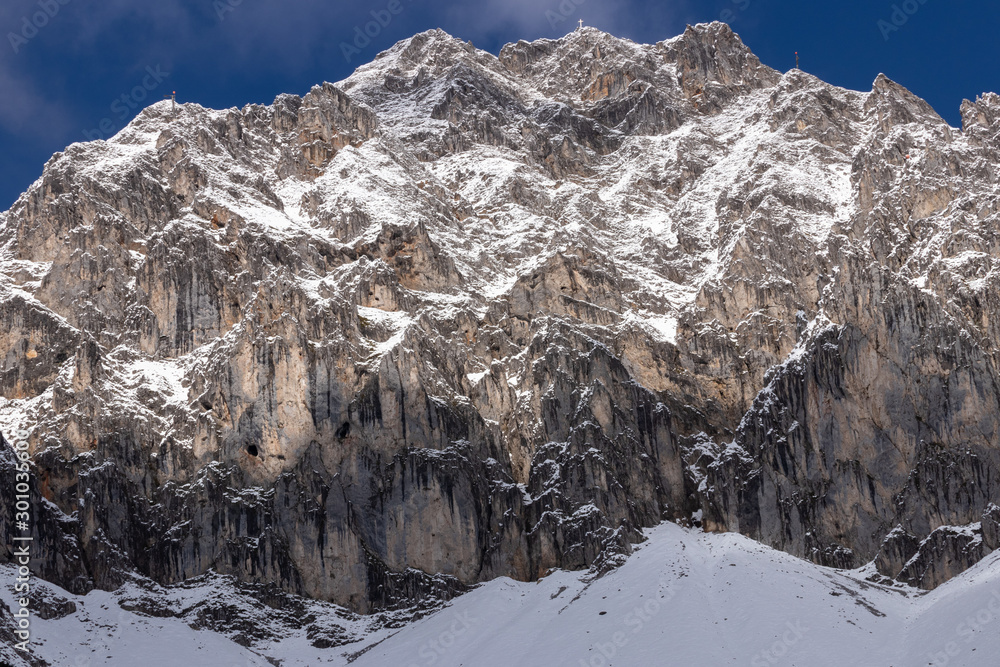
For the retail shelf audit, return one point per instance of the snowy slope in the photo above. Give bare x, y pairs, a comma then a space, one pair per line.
689, 598
683, 598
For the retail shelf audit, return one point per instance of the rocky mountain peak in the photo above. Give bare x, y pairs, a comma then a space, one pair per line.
433, 50
896, 105
980, 117
462, 316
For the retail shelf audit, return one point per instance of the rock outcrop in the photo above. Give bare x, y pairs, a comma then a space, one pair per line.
462, 316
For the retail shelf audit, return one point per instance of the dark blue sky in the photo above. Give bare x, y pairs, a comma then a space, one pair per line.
58, 82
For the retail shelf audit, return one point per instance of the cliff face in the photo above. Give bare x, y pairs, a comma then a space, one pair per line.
462, 316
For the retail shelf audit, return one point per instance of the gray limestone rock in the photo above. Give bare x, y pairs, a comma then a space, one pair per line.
462, 316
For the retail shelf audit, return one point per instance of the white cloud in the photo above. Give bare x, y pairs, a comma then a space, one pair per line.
531, 19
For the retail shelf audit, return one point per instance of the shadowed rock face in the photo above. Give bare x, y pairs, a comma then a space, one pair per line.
462, 316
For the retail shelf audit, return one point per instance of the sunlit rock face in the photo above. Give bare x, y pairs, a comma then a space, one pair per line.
461, 316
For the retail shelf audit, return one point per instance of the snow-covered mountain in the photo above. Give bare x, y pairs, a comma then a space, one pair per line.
462, 317
683, 598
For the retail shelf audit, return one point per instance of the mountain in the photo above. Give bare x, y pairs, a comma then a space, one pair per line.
464, 316
684, 597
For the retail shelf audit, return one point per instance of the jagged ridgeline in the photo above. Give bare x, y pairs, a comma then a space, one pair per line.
462, 315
